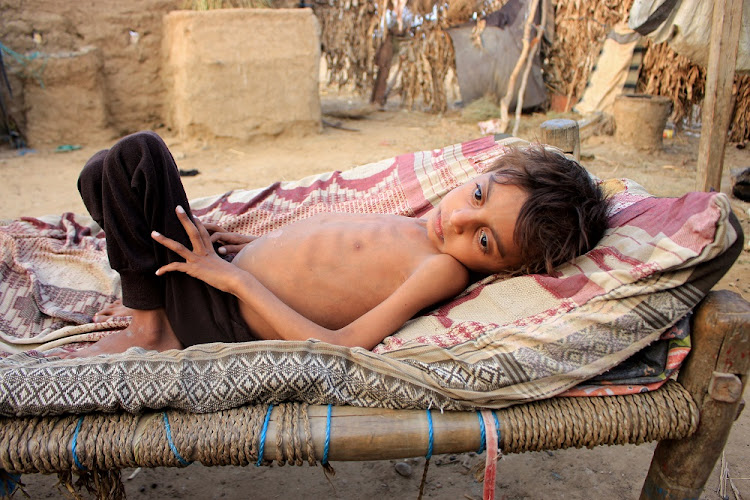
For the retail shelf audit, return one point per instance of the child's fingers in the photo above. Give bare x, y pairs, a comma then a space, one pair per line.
231, 249
192, 231
231, 238
212, 227
172, 266
173, 245
205, 237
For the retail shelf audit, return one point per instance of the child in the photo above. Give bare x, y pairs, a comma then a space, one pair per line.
344, 279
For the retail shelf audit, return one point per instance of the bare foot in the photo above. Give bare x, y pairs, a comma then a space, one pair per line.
148, 329
113, 310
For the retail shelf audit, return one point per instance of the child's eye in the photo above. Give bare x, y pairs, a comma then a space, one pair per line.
483, 240
478, 193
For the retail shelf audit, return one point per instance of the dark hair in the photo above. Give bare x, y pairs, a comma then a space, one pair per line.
565, 214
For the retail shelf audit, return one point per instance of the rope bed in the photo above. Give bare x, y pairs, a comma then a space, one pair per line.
296, 433
505, 346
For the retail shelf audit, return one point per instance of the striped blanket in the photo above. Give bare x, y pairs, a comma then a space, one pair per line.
502, 341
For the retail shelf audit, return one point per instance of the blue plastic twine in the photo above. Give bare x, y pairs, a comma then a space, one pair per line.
23, 61
497, 426
430, 435
328, 436
171, 443
483, 433
262, 445
8, 483
75, 445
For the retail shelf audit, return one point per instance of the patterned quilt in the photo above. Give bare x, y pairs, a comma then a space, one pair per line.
502, 341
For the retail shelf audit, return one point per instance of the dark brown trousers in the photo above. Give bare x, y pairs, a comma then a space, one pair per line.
131, 190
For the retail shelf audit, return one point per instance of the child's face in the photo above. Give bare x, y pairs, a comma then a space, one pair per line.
475, 224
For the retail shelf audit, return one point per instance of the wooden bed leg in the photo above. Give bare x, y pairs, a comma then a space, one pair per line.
714, 373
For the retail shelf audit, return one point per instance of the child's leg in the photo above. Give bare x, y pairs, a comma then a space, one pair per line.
130, 191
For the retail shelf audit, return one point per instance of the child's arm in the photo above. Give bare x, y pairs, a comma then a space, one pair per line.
438, 278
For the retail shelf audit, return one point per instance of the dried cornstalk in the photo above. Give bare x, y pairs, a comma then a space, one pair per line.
347, 37
739, 130
226, 4
426, 59
352, 30
580, 30
421, 7
666, 73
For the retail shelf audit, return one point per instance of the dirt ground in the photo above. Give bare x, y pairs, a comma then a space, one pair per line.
43, 182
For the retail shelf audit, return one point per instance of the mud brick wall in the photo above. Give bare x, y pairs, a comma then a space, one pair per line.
240, 73
54, 38
94, 70
72, 100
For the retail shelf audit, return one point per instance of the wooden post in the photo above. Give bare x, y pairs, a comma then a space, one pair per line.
562, 134
383, 59
715, 374
722, 60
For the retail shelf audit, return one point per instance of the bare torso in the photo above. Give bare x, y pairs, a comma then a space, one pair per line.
333, 268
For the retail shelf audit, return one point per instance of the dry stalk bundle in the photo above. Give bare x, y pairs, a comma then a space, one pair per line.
580, 30
429, 54
666, 73
739, 130
352, 31
348, 29
426, 59
460, 11
421, 7
226, 4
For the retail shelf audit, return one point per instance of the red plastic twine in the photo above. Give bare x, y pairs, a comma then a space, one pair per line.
490, 466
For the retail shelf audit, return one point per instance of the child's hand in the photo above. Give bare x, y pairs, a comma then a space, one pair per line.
201, 262
232, 243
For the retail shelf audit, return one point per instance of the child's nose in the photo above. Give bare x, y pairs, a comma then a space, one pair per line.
461, 219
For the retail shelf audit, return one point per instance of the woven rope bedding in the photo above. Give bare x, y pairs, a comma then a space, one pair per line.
503, 341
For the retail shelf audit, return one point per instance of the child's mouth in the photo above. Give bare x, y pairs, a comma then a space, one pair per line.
439, 226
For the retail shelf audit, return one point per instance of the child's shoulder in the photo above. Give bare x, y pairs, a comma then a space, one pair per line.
438, 277
445, 271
